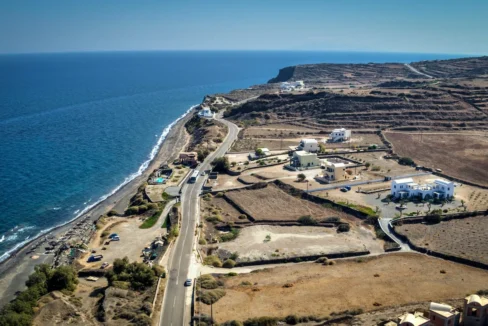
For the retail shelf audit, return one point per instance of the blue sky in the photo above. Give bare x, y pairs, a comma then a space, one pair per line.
422, 26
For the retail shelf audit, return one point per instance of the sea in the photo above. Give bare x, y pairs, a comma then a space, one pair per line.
75, 127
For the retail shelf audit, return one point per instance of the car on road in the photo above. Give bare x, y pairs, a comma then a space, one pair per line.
188, 282
116, 238
104, 265
113, 235
203, 173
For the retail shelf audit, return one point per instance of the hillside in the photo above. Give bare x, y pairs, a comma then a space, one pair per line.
375, 96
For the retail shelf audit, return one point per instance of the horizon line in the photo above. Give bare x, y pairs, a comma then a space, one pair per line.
234, 50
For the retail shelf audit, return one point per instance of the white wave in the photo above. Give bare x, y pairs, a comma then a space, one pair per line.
128, 179
22, 229
2, 239
56, 208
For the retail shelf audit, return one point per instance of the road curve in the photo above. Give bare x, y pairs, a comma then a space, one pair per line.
418, 72
175, 309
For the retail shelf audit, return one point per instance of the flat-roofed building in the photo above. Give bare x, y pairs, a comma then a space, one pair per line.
406, 188
339, 134
441, 314
475, 312
304, 160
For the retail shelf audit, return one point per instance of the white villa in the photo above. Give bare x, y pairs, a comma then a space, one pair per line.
205, 112
340, 134
405, 188
291, 86
303, 160
308, 145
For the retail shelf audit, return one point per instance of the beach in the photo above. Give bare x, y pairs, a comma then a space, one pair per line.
15, 270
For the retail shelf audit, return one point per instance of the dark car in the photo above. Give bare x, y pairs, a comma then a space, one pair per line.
188, 282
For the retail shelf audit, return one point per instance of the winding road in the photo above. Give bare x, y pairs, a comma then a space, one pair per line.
418, 72
175, 310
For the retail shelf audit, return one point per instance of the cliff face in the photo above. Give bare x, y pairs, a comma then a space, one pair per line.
284, 75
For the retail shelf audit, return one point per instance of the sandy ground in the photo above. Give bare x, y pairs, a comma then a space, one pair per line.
297, 241
132, 240
464, 238
388, 280
15, 270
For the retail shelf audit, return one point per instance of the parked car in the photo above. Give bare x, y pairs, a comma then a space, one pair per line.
93, 258
348, 188
113, 235
116, 238
203, 173
104, 265
188, 282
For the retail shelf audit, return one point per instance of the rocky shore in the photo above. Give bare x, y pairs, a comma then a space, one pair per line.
15, 270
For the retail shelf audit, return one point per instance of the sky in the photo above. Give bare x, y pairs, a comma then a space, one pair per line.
420, 26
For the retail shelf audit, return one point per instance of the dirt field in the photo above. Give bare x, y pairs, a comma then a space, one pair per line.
441, 150
265, 242
271, 203
220, 206
464, 238
386, 166
392, 279
132, 241
475, 198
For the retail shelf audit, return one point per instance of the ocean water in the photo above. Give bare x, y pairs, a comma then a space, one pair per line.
74, 127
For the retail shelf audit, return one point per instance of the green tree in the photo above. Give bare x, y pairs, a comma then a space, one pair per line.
63, 278
301, 177
259, 152
221, 164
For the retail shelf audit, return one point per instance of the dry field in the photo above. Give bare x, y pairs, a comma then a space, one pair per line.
386, 166
272, 204
218, 205
465, 238
387, 280
463, 156
267, 242
475, 198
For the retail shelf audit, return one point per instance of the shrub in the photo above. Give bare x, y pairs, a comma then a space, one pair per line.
261, 321
207, 282
406, 161
307, 220
291, 320
375, 168
219, 194
202, 241
63, 278
322, 260
432, 218
210, 296
112, 213
332, 220
234, 255
220, 164
229, 263
104, 234
212, 260
301, 177
133, 210
242, 216
231, 274
344, 227
232, 323
230, 235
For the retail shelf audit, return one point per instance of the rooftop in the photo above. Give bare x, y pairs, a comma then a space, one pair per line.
404, 180
442, 309
474, 298
304, 153
416, 319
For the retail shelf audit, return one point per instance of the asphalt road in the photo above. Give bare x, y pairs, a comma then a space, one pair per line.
175, 309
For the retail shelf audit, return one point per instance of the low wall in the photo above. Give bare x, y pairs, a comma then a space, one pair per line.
445, 217
303, 258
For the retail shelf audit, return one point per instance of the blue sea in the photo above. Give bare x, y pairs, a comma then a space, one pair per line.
74, 127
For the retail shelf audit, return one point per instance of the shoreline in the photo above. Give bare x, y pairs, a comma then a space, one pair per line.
15, 269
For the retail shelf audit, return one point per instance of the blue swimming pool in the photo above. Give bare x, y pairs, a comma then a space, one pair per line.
160, 180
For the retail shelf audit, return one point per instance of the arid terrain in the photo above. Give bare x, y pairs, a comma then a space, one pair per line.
465, 238
461, 155
359, 283
272, 204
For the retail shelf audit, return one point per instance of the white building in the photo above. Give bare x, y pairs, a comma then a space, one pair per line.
340, 134
405, 188
205, 112
303, 160
291, 86
308, 145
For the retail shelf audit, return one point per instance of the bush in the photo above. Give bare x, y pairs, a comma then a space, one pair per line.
212, 260
63, 278
292, 320
307, 220
261, 321
229, 263
242, 216
207, 282
322, 260
232, 323
112, 213
344, 227
229, 236
433, 218
202, 154
301, 177
406, 161
210, 296
133, 210
220, 164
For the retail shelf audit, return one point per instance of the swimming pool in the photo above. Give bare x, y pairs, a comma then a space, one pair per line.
160, 180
